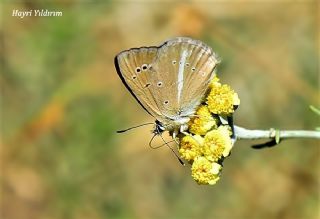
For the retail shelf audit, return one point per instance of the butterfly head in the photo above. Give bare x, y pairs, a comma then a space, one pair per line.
158, 128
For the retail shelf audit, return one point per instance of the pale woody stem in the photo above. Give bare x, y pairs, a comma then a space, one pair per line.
242, 133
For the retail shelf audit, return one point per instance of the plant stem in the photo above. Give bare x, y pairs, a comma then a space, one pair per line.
242, 133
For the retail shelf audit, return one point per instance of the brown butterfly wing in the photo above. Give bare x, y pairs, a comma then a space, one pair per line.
185, 66
133, 67
168, 81
197, 76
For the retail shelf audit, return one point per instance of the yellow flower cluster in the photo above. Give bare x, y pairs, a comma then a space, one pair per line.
202, 122
222, 99
204, 171
207, 142
204, 153
190, 147
217, 143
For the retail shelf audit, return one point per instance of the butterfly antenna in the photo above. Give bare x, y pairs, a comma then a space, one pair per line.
179, 159
150, 142
159, 146
124, 130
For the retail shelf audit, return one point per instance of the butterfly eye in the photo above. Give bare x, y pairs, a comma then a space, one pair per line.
166, 102
134, 77
187, 64
159, 84
138, 69
144, 67
174, 62
147, 85
193, 69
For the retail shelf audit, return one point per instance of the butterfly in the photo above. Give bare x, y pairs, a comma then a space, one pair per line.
169, 81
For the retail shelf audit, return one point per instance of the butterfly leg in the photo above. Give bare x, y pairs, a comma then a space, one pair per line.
174, 136
183, 129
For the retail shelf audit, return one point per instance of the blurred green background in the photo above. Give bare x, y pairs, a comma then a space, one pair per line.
62, 102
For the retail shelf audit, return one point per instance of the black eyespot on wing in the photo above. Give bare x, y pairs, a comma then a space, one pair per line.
144, 67
138, 69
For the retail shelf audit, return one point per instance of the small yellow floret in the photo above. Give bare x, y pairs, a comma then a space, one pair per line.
236, 99
221, 99
214, 82
217, 143
190, 147
202, 122
205, 172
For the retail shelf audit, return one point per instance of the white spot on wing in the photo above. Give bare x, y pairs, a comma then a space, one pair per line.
180, 72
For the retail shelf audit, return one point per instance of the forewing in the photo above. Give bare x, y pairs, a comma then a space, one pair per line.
184, 67
134, 68
197, 76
